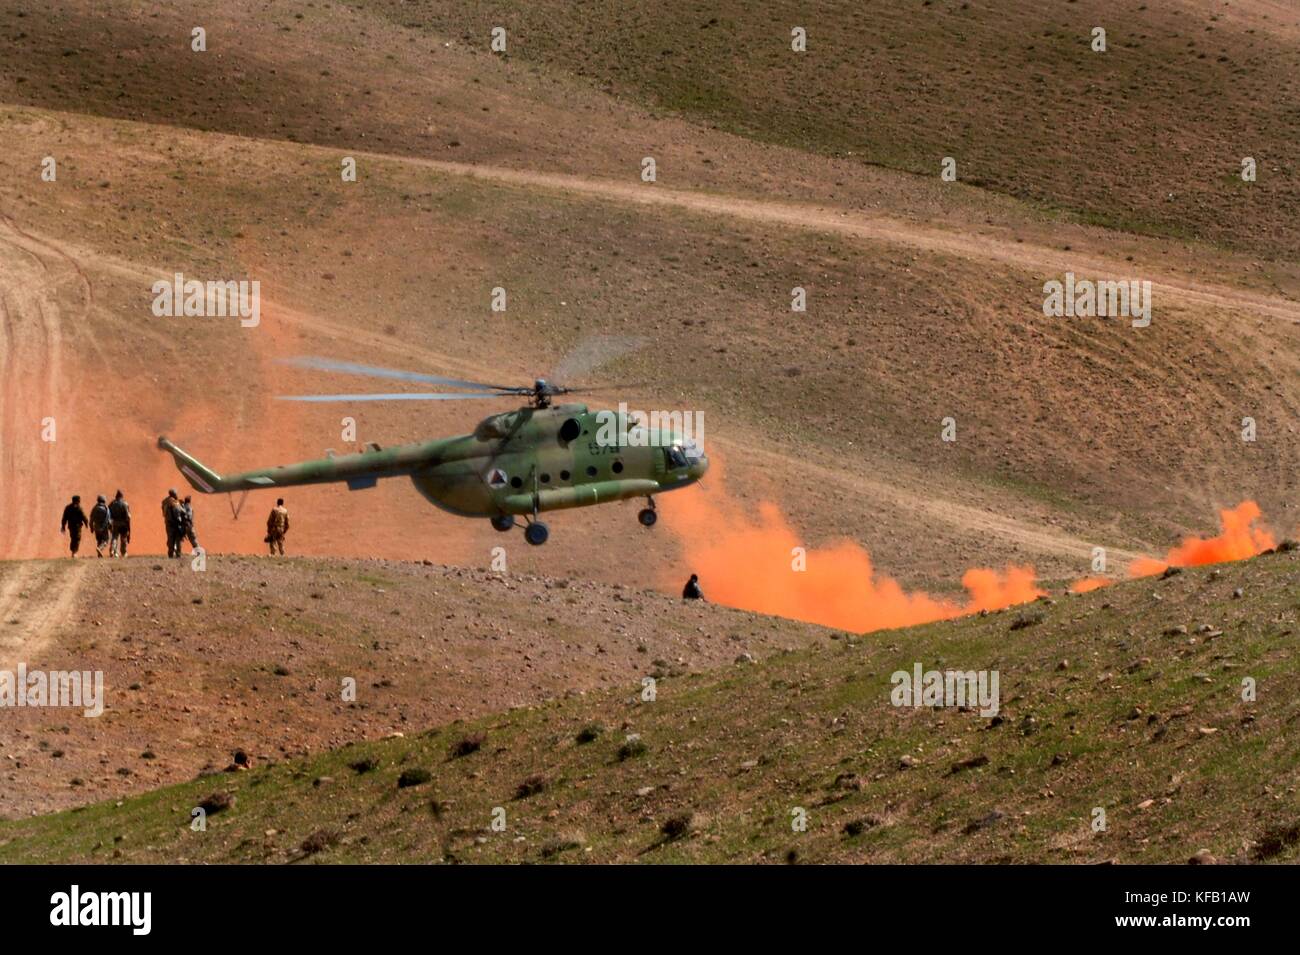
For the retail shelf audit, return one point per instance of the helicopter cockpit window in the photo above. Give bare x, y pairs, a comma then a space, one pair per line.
676, 459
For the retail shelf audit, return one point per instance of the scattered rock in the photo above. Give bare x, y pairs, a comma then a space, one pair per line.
589, 733
1029, 618
565, 842
856, 827
632, 748
848, 781
413, 777
675, 827
973, 763
217, 802
319, 841
466, 745
530, 786
1273, 842
983, 822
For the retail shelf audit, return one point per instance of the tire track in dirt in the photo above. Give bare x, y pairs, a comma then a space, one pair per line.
1026, 256
34, 276
35, 598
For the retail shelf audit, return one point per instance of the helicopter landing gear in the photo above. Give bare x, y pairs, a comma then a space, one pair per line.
647, 515
503, 522
536, 533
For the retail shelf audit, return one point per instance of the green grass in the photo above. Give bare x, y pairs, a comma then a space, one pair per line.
742, 748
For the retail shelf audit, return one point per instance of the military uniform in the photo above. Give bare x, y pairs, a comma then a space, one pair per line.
74, 519
99, 525
277, 525
119, 516
173, 520
187, 526
692, 589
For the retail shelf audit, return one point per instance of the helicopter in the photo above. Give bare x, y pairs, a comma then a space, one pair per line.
541, 457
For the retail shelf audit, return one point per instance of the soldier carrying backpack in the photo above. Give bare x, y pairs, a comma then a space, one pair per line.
119, 516
99, 525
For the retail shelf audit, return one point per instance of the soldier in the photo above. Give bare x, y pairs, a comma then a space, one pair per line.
173, 517
99, 524
74, 519
119, 515
692, 589
188, 526
277, 525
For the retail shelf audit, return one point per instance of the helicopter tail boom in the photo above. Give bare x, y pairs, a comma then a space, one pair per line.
201, 478
358, 471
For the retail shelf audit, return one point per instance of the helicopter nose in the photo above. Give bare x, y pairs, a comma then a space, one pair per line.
698, 467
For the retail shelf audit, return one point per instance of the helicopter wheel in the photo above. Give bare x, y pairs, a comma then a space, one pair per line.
503, 522
647, 516
536, 533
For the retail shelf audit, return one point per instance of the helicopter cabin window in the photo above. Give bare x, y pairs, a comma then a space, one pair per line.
570, 430
564, 475
591, 470
675, 457
516, 482
617, 467
546, 479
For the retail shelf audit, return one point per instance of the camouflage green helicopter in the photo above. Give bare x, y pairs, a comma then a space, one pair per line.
540, 457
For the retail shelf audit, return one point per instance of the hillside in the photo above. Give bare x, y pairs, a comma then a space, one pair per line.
1128, 699
251, 655
924, 297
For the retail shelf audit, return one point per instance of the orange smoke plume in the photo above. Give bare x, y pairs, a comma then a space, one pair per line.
753, 562
1089, 584
1240, 538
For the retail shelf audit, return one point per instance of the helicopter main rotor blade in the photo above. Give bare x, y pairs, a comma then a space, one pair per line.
403, 396
375, 371
590, 353
609, 387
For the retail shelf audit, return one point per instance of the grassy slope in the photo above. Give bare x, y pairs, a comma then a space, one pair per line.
1147, 136
249, 654
1122, 722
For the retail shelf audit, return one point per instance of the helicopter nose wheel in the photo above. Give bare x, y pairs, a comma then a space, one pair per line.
503, 522
647, 515
536, 533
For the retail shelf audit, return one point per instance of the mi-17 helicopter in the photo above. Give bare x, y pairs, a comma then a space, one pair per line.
519, 464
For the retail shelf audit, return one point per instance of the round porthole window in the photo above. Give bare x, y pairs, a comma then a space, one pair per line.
516, 482
564, 475
617, 467
546, 479
591, 470
571, 428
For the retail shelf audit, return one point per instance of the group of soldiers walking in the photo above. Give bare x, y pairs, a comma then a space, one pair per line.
110, 522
